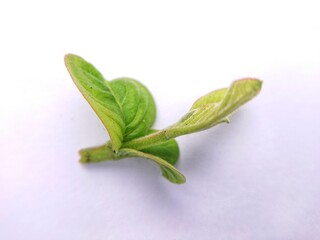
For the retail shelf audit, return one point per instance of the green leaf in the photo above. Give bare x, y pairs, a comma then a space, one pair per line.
168, 171
213, 97
215, 107
168, 150
136, 104
240, 92
125, 106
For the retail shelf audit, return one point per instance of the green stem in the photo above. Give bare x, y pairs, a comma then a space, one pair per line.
97, 154
148, 140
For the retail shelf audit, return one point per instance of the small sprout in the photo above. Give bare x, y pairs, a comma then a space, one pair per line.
128, 111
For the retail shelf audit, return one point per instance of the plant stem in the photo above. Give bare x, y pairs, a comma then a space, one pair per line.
97, 154
148, 140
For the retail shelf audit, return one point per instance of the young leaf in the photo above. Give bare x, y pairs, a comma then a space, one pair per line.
206, 112
168, 150
125, 106
168, 171
137, 106
213, 97
215, 107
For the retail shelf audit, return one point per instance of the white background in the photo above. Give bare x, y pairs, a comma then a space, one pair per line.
256, 178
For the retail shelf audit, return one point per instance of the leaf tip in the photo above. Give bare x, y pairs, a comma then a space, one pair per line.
178, 179
69, 57
255, 83
250, 85
182, 181
258, 84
